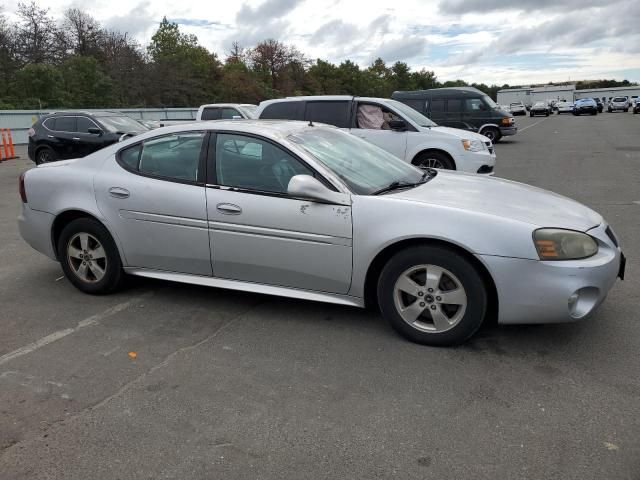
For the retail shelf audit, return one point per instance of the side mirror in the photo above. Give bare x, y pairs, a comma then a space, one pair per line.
309, 188
94, 130
398, 125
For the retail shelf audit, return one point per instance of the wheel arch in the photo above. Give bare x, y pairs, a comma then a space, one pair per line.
65, 217
377, 264
434, 150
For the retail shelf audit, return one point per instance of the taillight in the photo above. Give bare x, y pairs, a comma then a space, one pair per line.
31, 132
21, 189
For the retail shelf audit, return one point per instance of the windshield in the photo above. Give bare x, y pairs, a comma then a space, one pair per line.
410, 113
620, 99
363, 167
489, 101
121, 124
248, 110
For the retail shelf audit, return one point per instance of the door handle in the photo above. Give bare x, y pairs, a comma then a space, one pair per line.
118, 192
229, 209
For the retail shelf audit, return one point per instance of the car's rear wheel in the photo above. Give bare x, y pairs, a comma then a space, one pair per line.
434, 160
89, 257
531, 114
432, 295
45, 155
492, 134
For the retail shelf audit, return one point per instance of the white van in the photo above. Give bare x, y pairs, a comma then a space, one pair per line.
393, 126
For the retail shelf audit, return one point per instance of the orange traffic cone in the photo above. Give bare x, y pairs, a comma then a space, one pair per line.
7, 145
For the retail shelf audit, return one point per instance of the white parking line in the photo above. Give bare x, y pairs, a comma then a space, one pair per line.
55, 336
532, 125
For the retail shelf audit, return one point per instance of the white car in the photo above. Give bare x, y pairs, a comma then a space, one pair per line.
393, 126
225, 111
518, 108
619, 103
564, 107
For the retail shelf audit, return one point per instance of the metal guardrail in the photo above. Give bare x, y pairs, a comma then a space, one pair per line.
19, 121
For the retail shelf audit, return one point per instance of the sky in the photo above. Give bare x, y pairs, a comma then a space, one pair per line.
519, 42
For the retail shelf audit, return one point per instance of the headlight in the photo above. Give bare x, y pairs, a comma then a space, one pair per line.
473, 145
557, 244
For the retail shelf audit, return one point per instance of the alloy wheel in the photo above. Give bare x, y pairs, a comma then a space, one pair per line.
430, 163
86, 257
430, 298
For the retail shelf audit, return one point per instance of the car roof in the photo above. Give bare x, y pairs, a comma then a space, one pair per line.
104, 113
274, 129
439, 92
227, 105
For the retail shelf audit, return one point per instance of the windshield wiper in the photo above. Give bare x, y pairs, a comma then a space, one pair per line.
397, 185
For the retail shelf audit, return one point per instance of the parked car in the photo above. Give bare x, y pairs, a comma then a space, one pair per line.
465, 108
585, 105
619, 103
224, 111
599, 104
304, 211
636, 106
540, 108
391, 125
518, 108
64, 135
564, 107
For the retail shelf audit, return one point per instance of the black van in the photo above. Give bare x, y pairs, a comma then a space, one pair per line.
461, 107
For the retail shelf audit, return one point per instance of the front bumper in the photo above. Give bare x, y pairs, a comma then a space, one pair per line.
533, 291
477, 162
35, 228
510, 130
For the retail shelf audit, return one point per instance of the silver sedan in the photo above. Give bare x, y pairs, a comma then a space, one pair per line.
304, 211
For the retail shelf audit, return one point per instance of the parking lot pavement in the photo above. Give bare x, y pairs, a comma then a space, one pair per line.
237, 385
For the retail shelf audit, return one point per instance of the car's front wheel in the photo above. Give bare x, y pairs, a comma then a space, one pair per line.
492, 134
433, 160
45, 155
89, 257
432, 295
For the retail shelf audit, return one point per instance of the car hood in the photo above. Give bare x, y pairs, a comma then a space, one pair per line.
503, 198
456, 132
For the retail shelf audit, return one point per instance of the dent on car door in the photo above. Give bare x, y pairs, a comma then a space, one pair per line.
259, 233
153, 197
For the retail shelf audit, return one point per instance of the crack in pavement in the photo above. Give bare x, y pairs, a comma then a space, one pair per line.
5, 451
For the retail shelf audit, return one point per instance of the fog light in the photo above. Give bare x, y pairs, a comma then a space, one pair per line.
583, 301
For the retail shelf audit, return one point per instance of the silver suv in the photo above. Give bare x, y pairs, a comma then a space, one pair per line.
619, 103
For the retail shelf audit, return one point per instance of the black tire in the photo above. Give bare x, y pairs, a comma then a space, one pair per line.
609, 110
546, 114
531, 114
45, 155
113, 273
492, 133
626, 109
445, 258
434, 160
594, 113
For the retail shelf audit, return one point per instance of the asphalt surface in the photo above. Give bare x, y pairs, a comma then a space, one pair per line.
237, 385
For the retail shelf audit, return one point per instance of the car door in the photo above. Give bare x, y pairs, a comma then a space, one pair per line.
261, 234
454, 115
438, 111
88, 142
153, 196
475, 113
371, 123
62, 136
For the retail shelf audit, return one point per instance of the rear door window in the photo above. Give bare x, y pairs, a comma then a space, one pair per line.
437, 105
229, 113
284, 111
210, 113
333, 112
65, 124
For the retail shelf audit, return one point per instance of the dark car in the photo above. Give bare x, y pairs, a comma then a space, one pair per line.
540, 108
466, 108
585, 105
636, 106
64, 135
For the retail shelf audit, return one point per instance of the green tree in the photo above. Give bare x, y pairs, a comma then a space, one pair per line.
324, 79
39, 86
401, 78
85, 83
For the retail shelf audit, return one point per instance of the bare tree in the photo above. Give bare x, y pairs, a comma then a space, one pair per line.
83, 32
37, 36
272, 58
